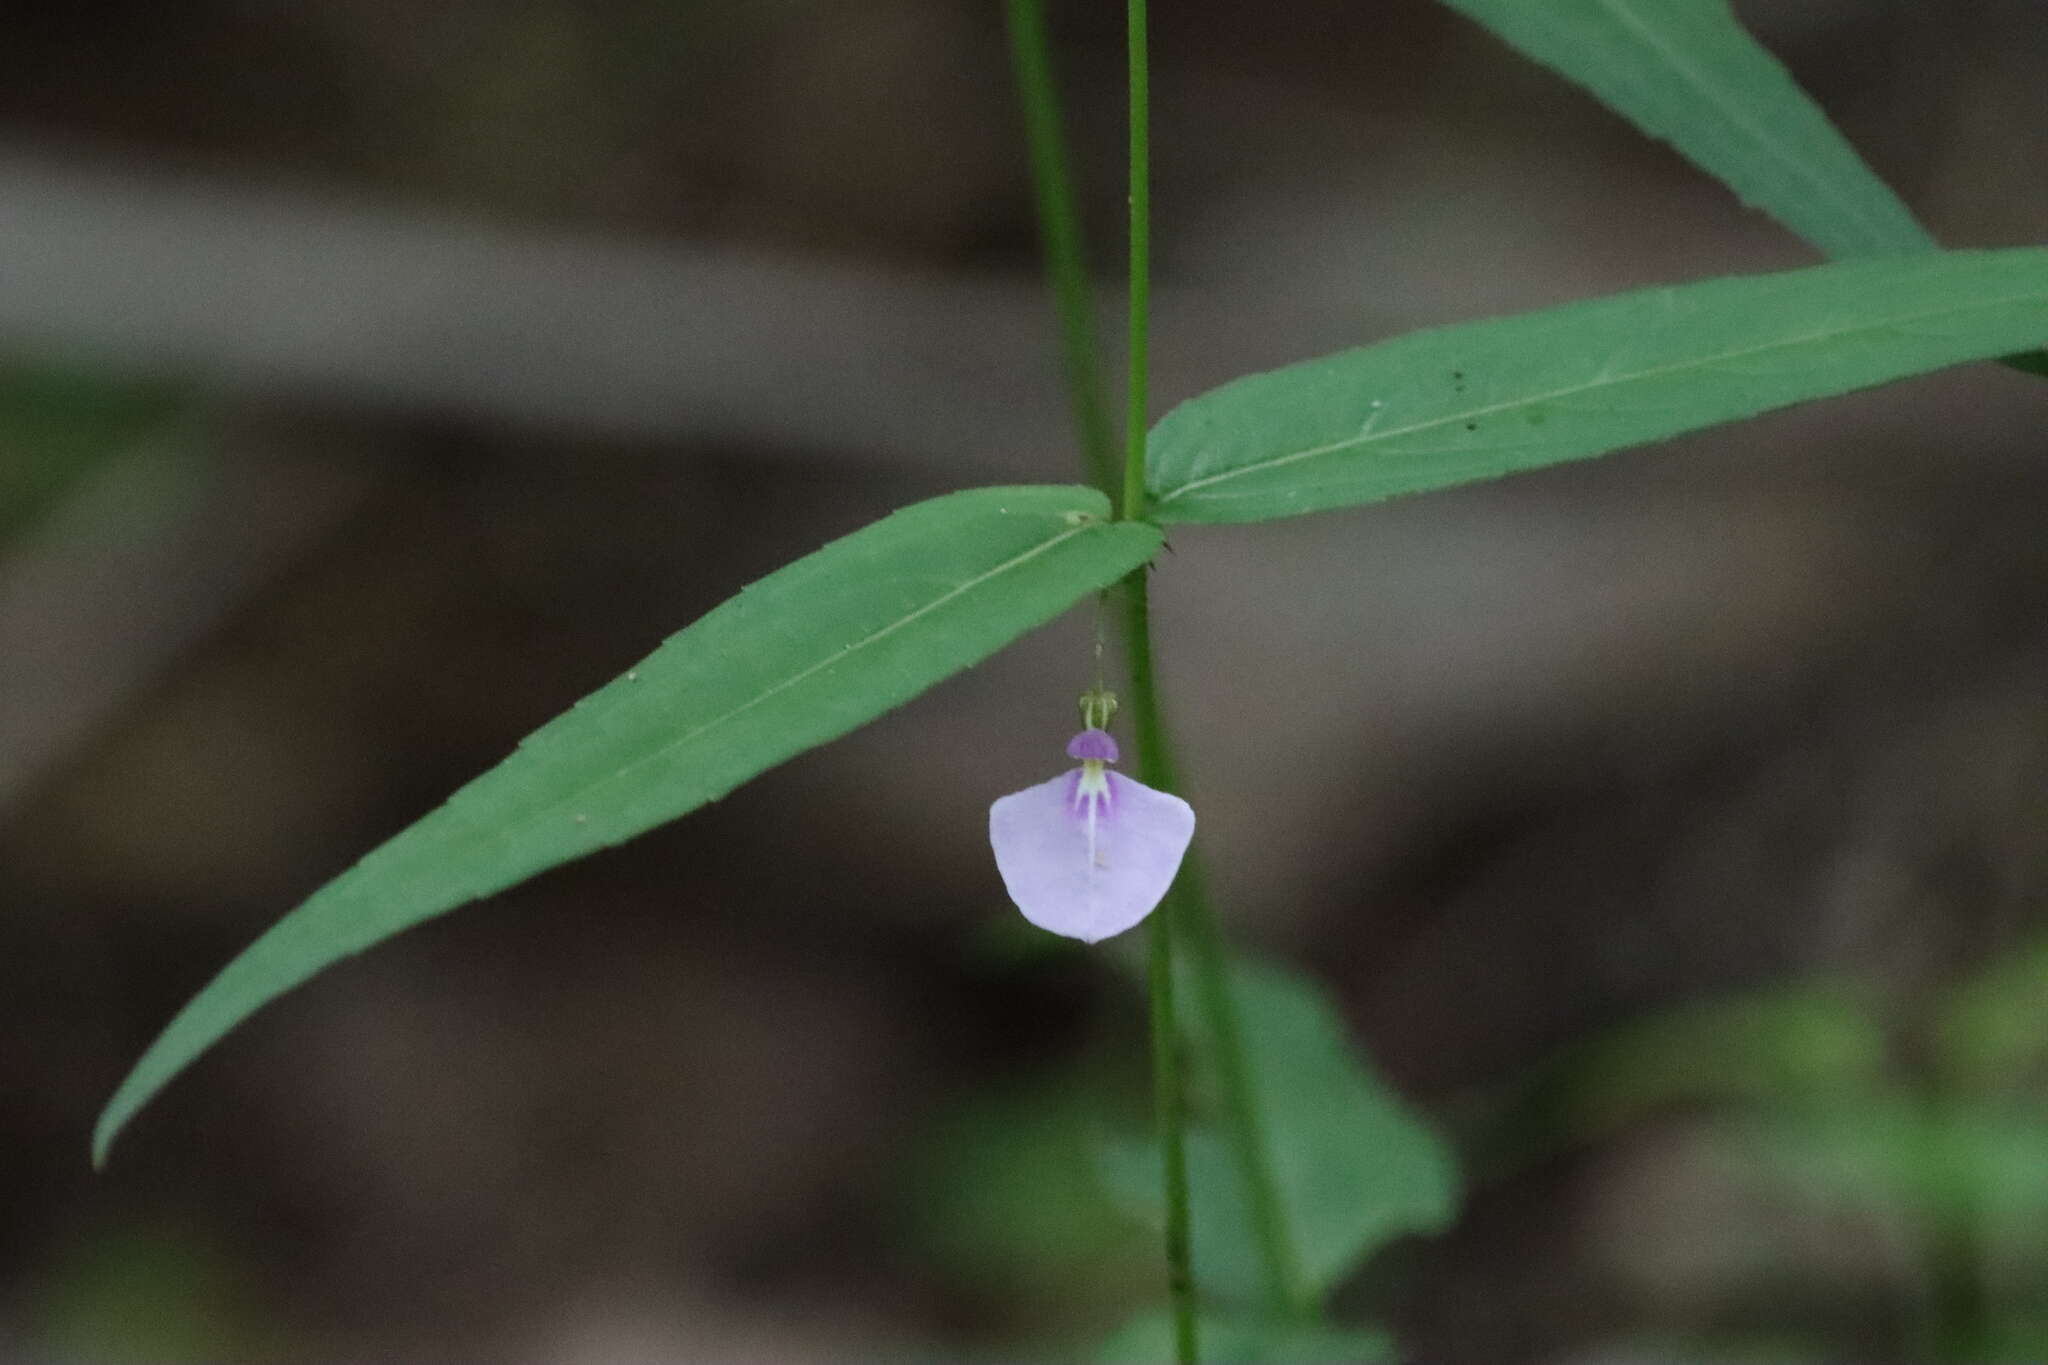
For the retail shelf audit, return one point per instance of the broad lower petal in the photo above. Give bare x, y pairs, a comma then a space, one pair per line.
1081, 883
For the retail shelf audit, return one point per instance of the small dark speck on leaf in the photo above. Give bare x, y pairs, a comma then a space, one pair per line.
1471, 426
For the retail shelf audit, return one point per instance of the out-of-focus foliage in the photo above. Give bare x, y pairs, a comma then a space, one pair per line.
1002, 1191
1807, 1045
1805, 1095
1232, 1341
56, 425
1354, 1166
1993, 1037
1024, 1194
162, 1291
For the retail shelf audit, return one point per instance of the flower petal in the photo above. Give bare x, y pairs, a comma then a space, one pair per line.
1093, 743
1089, 880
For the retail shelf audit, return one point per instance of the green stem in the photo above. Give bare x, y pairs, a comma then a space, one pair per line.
1186, 908
1186, 903
1196, 928
1132, 507
1154, 765
1059, 236
1166, 1086
1155, 768
1279, 1267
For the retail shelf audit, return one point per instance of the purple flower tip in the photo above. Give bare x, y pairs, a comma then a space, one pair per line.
1093, 744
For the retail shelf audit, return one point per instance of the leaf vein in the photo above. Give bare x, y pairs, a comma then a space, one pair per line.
1584, 388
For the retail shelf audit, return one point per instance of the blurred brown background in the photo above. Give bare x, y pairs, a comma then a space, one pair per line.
383, 378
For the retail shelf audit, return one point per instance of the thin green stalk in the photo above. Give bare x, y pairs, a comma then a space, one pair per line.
1280, 1268
1172, 1116
1186, 907
1168, 1086
1202, 942
1059, 236
1132, 507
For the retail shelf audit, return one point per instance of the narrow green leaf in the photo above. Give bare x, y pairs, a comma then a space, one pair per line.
1355, 1167
1458, 404
803, 656
1686, 71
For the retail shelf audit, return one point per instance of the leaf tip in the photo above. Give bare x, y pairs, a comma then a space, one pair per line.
137, 1089
103, 1134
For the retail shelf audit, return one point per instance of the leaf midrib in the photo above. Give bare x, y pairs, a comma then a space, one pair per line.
1638, 376
191, 1032
844, 652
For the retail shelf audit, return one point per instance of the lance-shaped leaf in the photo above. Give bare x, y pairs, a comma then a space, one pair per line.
801, 657
1687, 71
1470, 402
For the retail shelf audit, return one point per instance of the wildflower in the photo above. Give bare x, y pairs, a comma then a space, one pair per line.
1091, 852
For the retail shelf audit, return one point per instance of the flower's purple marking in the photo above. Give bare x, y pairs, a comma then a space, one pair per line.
1089, 853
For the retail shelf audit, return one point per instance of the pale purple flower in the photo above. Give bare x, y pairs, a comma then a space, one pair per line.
1089, 853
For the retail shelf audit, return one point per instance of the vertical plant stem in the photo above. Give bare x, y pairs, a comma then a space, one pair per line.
1279, 1266
1202, 944
1169, 1100
1153, 764
1132, 506
1059, 237
1186, 914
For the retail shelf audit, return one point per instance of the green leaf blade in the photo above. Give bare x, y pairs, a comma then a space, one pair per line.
1688, 73
1458, 404
799, 658
1356, 1165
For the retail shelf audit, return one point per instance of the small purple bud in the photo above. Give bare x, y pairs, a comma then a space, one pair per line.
1093, 744
1091, 852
